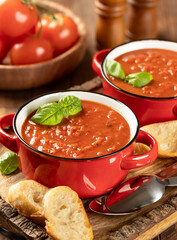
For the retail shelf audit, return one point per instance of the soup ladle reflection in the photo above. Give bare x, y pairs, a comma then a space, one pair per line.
132, 195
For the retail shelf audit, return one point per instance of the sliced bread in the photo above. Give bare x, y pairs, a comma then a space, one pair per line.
66, 218
27, 197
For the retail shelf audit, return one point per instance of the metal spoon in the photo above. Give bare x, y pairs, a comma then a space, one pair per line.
145, 190
98, 206
132, 195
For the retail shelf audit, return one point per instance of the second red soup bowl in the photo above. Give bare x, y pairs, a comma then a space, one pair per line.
148, 109
89, 177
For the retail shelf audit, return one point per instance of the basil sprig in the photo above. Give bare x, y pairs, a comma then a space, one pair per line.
8, 162
115, 69
53, 113
139, 79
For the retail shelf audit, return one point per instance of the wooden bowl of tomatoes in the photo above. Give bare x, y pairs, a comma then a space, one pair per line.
34, 51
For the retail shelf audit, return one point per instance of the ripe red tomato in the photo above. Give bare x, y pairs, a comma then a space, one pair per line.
22, 38
16, 18
32, 50
3, 47
62, 32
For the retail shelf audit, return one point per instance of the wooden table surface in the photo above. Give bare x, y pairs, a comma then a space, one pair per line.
10, 101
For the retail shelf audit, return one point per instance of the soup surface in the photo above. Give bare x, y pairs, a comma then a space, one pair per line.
161, 64
97, 130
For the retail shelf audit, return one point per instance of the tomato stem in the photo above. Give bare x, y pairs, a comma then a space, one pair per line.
37, 6
59, 19
38, 12
27, 2
40, 30
40, 5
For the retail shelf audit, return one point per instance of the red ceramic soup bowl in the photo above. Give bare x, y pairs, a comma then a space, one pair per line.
147, 109
89, 177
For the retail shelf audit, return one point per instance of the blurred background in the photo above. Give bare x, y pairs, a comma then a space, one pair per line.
135, 19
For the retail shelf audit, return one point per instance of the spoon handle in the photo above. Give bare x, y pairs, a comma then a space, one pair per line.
171, 182
168, 172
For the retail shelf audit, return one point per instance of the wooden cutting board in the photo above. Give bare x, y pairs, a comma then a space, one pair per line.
144, 225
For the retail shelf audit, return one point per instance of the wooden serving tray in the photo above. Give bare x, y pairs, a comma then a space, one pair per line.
144, 225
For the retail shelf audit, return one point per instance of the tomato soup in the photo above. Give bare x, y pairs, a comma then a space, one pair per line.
161, 64
96, 131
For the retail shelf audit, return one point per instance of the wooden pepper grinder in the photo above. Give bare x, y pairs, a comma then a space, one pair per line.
110, 29
141, 21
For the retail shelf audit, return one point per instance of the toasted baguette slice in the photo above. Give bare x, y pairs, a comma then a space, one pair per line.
27, 197
66, 218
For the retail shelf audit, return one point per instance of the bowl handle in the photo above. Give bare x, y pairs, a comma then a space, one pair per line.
9, 141
135, 161
96, 61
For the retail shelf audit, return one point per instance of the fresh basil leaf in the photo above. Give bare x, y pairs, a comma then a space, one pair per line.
72, 104
53, 113
115, 69
8, 162
48, 114
139, 79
